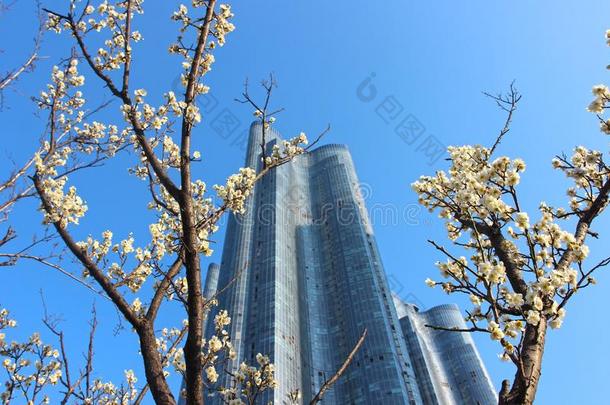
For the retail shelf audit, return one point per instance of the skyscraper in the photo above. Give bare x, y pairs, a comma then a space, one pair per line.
303, 278
309, 280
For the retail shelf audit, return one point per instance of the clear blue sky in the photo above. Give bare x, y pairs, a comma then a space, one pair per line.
434, 58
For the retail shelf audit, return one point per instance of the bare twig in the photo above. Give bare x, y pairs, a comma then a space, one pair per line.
90, 353
456, 329
73, 388
328, 384
14, 74
508, 103
16, 256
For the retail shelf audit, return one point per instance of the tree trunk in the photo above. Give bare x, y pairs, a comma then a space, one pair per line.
525, 385
154, 368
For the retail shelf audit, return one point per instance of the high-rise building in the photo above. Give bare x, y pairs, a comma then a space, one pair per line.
447, 365
302, 278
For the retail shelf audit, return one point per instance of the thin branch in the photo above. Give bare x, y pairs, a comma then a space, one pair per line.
584, 280
456, 329
8, 236
155, 303
507, 103
17, 256
319, 137
15, 74
328, 384
84, 258
31, 60
90, 353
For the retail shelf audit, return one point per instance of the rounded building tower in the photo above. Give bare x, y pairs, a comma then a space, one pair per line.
447, 364
305, 279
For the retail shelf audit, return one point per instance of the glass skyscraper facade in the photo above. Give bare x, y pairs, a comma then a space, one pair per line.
303, 278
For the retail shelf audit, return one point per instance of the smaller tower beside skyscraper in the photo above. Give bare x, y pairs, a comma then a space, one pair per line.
211, 285
447, 365
211, 281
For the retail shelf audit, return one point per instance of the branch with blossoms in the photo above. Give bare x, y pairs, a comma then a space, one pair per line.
185, 213
519, 275
65, 136
249, 382
30, 366
34, 370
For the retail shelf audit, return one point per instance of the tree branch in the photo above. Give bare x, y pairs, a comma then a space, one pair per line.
506, 103
328, 384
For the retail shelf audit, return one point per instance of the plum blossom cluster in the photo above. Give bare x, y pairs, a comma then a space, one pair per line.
107, 393
237, 189
67, 137
221, 27
107, 15
61, 207
196, 63
242, 385
288, 150
248, 382
217, 346
6, 322
30, 366
479, 187
587, 169
515, 274
178, 289
148, 117
166, 233
124, 254
59, 95
65, 101
601, 95
168, 345
159, 119
156, 119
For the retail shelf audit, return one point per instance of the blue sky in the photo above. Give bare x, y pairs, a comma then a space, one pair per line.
432, 59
